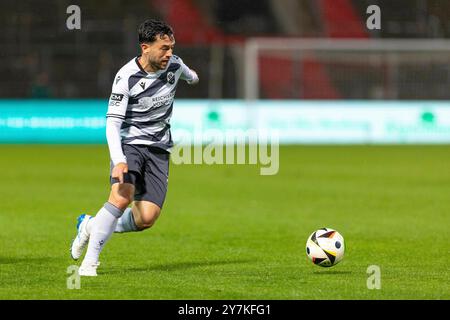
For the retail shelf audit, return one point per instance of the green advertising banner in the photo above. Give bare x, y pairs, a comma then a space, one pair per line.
196, 121
52, 121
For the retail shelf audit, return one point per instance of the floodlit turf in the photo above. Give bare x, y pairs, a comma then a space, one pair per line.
228, 233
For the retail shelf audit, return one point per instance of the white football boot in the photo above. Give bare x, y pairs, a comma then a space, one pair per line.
88, 269
82, 238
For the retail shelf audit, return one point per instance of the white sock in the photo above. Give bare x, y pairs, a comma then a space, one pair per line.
102, 228
89, 225
126, 222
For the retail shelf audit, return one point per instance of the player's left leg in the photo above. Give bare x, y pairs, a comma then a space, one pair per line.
150, 198
146, 214
142, 215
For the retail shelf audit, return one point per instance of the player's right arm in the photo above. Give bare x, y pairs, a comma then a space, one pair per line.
115, 116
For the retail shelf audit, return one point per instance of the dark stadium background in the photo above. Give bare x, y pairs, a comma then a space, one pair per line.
42, 58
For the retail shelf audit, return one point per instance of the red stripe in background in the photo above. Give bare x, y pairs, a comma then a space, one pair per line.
341, 20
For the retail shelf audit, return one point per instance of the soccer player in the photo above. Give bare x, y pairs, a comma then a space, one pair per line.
139, 141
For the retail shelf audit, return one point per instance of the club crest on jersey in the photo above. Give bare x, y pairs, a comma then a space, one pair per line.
171, 77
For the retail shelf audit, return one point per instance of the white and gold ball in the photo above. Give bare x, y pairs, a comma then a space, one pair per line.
325, 247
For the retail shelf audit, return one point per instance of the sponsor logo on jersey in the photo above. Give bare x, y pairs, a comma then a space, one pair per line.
118, 79
142, 84
171, 77
116, 96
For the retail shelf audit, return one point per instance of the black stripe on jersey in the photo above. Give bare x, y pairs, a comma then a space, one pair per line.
148, 137
112, 115
172, 67
138, 114
135, 78
134, 100
139, 125
166, 114
147, 124
158, 83
145, 113
150, 91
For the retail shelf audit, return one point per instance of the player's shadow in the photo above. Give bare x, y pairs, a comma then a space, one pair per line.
179, 266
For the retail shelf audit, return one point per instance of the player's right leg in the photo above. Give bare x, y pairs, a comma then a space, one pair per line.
82, 237
85, 222
120, 197
104, 225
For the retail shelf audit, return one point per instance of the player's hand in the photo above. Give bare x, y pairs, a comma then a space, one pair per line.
195, 80
118, 171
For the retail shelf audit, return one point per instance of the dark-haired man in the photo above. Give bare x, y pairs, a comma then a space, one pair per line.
139, 141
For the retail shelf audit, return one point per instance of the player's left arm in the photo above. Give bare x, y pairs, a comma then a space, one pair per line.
188, 74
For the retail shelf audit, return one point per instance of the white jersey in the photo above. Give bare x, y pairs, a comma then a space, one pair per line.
144, 101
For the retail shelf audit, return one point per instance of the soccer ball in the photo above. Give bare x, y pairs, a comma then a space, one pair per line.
325, 247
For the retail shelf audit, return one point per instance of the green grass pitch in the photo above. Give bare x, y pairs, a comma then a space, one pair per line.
228, 233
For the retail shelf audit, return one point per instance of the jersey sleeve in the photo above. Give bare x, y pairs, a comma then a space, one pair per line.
118, 101
113, 125
188, 74
117, 108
